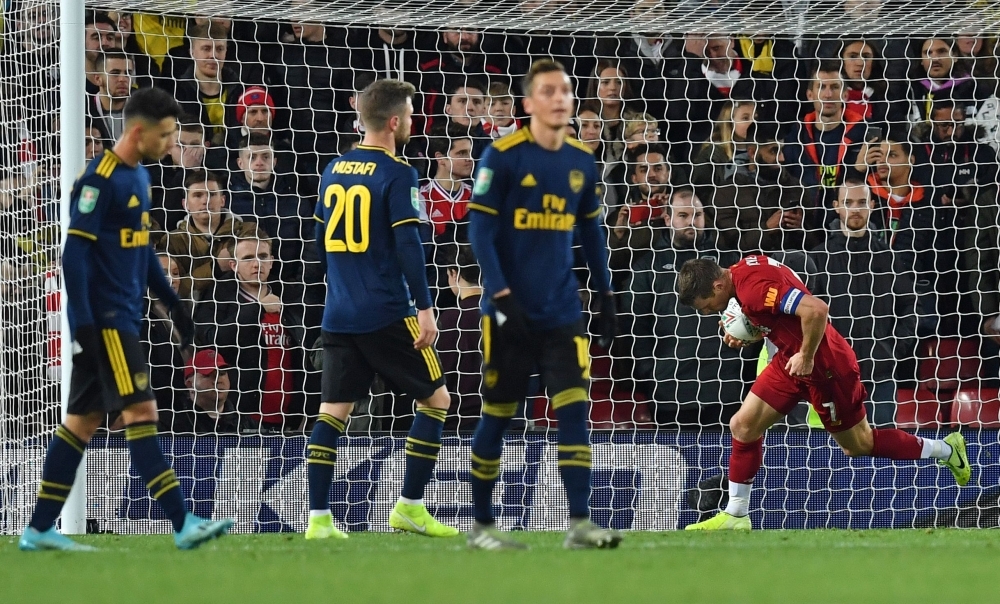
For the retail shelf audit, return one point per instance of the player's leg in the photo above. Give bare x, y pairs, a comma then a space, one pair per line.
423, 444
565, 367
140, 419
392, 354
346, 377
771, 397
506, 369
62, 459
128, 390
861, 440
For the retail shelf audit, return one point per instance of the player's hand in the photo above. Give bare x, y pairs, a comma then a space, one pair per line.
607, 321
428, 328
183, 324
511, 319
730, 341
799, 365
86, 347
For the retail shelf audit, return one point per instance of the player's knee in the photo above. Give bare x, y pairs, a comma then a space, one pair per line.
740, 429
860, 448
440, 399
339, 410
84, 426
144, 412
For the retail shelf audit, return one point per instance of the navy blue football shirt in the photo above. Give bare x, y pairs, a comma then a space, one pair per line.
535, 199
110, 207
364, 195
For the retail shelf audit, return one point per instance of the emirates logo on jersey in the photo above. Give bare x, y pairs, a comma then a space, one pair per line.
274, 335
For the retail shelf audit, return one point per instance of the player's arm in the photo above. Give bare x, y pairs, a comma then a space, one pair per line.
485, 221
813, 314
91, 198
320, 234
593, 239
492, 184
404, 217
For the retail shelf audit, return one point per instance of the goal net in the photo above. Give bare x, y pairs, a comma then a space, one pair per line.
854, 141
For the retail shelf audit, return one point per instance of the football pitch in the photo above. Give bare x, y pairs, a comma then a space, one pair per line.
833, 566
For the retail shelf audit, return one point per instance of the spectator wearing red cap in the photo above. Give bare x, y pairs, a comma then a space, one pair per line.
247, 320
209, 405
255, 114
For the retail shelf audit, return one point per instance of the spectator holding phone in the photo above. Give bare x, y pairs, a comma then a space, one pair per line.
649, 178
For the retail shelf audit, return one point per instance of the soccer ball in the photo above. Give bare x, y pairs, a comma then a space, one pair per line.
738, 326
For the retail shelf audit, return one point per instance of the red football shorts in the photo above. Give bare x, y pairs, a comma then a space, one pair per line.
839, 399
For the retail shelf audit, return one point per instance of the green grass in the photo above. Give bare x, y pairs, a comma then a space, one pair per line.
854, 567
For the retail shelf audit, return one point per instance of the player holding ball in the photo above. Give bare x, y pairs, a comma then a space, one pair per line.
813, 363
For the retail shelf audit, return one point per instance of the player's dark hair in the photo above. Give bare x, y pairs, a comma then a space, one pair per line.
382, 100
468, 267
151, 105
696, 280
539, 67
110, 55
201, 175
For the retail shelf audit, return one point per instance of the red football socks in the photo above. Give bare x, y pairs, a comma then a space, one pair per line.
895, 444
746, 459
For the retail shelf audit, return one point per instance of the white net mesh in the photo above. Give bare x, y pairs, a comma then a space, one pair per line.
29, 214
761, 127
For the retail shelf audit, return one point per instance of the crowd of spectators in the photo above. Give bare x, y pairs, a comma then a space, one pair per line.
875, 160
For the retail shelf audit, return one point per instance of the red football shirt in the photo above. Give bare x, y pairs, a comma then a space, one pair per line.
278, 375
769, 293
441, 206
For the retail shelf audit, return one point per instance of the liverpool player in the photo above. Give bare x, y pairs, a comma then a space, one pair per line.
813, 363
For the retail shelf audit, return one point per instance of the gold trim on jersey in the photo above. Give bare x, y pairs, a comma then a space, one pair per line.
593, 214
383, 150
119, 366
574, 142
404, 221
482, 208
504, 143
107, 165
83, 234
433, 366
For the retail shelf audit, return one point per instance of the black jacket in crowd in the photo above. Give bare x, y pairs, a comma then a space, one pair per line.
232, 325
872, 302
677, 351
